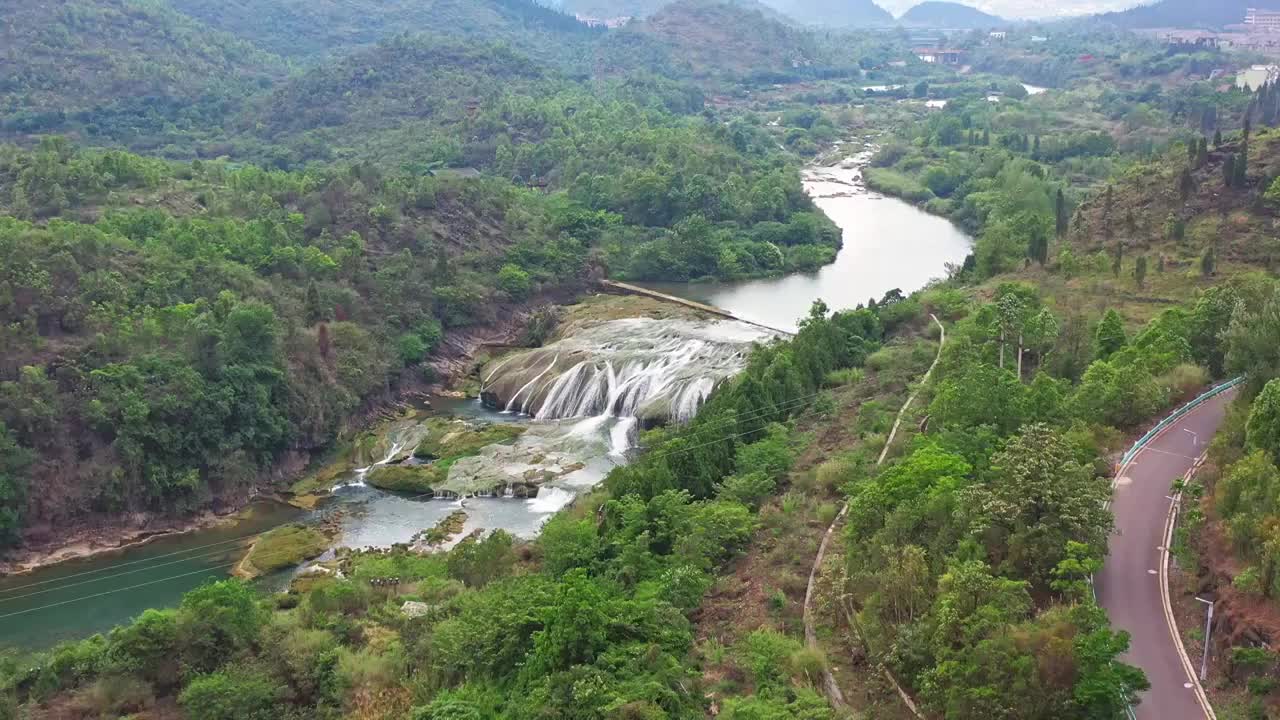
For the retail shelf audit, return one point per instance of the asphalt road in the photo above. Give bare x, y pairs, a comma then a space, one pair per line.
1129, 586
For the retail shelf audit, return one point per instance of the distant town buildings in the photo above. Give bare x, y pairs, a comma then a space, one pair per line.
595, 22
997, 35
1257, 40
1264, 20
939, 56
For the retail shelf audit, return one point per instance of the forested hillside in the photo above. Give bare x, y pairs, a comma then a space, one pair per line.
192, 327
314, 30
121, 71
731, 41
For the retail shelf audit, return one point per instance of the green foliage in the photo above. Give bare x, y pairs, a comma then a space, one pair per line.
216, 621
14, 461
1110, 337
514, 282
230, 696
1264, 420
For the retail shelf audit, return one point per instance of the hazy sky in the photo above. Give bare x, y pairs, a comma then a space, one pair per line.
1027, 8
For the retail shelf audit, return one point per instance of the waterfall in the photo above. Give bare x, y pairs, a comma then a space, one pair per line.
659, 370
550, 500
358, 480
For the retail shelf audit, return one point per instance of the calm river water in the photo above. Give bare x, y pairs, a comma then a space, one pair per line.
887, 244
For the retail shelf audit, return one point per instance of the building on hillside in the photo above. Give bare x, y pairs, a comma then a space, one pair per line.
1257, 76
1264, 20
1190, 38
940, 56
997, 35
595, 22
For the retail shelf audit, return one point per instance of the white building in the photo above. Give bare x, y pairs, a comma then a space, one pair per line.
998, 35
1257, 76
1259, 19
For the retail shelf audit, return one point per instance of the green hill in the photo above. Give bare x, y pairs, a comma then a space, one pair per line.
727, 40
949, 15
120, 71
834, 13
430, 82
309, 29
1185, 13
605, 9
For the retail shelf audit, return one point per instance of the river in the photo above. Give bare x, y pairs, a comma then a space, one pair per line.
887, 244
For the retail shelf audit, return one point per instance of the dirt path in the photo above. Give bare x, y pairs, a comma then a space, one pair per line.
834, 695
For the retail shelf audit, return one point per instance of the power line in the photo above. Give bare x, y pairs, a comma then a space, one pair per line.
116, 575
111, 592
677, 451
783, 407
131, 562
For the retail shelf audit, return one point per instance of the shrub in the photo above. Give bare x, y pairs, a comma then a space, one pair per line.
844, 376
514, 282
227, 696
1183, 381
750, 489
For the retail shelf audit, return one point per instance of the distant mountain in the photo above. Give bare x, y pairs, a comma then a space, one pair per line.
725, 39
936, 14
310, 29
1187, 13
608, 9
834, 13
120, 71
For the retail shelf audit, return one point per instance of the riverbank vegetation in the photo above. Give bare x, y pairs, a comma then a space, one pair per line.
595, 616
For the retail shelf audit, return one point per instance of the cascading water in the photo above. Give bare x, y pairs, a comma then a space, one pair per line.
589, 393
651, 370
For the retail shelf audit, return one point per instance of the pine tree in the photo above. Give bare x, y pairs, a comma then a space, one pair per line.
1186, 183
1060, 213
1239, 178
1110, 337
986, 137
1248, 123
1192, 148
1208, 262
1117, 262
1202, 153
1160, 264
1217, 139
315, 311
1140, 271
1035, 150
1229, 170
1106, 212
322, 341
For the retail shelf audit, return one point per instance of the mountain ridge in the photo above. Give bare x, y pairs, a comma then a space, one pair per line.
952, 15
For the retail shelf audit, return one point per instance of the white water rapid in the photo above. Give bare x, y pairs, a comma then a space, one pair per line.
638, 369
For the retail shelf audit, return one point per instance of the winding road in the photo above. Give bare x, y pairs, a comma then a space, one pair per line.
1132, 585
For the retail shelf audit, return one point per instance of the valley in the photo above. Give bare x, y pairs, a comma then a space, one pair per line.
705, 358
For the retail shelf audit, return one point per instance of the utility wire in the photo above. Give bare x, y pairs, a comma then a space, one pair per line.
145, 568
112, 592
782, 407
